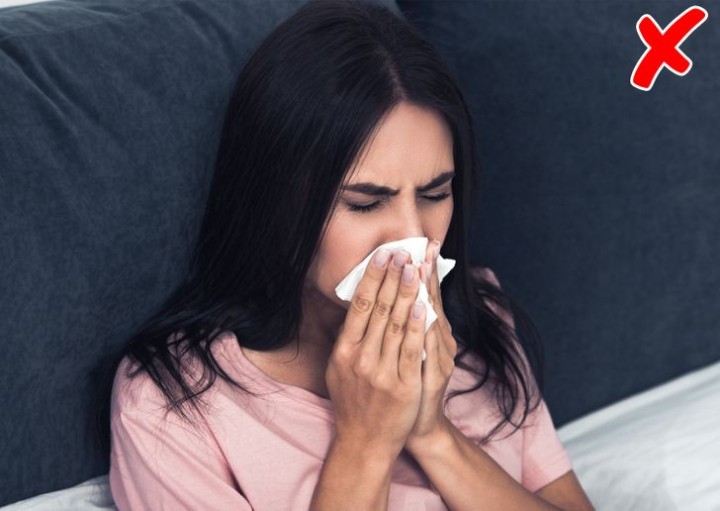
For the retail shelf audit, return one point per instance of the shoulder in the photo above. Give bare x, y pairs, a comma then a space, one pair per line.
134, 390
487, 274
142, 418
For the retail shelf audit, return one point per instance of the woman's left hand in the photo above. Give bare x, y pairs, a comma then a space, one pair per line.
440, 348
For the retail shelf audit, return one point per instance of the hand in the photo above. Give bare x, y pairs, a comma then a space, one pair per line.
441, 349
375, 369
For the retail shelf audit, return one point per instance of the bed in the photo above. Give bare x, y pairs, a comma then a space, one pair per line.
654, 451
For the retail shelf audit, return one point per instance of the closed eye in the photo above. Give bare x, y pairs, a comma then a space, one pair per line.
370, 207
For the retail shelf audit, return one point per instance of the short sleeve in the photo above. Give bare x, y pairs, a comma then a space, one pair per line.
489, 275
544, 458
160, 462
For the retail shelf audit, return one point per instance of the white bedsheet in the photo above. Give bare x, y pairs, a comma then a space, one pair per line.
91, 495
656, 451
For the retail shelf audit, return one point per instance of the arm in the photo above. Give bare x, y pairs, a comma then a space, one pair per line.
353, 479
467, 478
161, 463
566, 493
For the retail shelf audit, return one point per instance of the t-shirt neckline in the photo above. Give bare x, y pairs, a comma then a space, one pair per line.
292, 391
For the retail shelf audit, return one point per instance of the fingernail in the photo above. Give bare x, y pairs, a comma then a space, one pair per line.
399, 258
418, 309
428, 271
436, 249
381, 258
408, 273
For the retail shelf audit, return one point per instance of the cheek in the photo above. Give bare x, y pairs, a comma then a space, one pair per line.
343, 247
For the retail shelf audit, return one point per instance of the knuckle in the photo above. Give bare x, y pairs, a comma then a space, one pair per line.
340, 353
411, 354
341, 357
395, 327
448, 367
408, 289
361, 302
382, 308
363, 365
382, 381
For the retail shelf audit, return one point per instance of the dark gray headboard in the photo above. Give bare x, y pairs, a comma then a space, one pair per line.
110, 114
600, 205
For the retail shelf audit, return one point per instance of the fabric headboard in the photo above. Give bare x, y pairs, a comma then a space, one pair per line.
600, 207
110, 115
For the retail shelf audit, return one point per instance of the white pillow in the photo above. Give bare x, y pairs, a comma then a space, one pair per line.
10, 3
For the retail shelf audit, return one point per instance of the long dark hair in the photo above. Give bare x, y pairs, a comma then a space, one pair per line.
304, 106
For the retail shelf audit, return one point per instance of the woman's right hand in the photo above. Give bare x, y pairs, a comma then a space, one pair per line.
374, 372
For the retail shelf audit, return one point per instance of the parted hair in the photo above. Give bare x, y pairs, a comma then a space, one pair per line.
303, 107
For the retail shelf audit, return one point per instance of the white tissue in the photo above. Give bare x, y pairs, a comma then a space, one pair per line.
417, 248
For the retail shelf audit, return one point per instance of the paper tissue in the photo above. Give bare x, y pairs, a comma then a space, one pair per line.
416, 247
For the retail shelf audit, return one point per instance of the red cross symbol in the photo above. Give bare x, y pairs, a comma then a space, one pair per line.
662, 46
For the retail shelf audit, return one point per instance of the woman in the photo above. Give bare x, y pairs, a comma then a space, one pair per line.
345, 131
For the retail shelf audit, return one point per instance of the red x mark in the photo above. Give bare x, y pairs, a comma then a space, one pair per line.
662, 46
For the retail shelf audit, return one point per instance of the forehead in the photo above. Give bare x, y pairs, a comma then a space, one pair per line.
410, 141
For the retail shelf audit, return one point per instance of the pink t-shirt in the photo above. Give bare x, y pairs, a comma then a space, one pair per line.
265, 453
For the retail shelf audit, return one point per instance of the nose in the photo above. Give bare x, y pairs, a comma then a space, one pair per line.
409, 225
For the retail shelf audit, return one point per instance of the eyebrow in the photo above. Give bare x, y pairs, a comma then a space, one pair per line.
373, 189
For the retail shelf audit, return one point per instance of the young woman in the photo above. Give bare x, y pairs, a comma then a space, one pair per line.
256, 387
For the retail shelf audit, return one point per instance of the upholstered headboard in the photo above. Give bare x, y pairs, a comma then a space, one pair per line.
600, 207
110, 113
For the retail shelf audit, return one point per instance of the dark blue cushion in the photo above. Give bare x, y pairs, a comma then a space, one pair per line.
110, 114
600, 203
